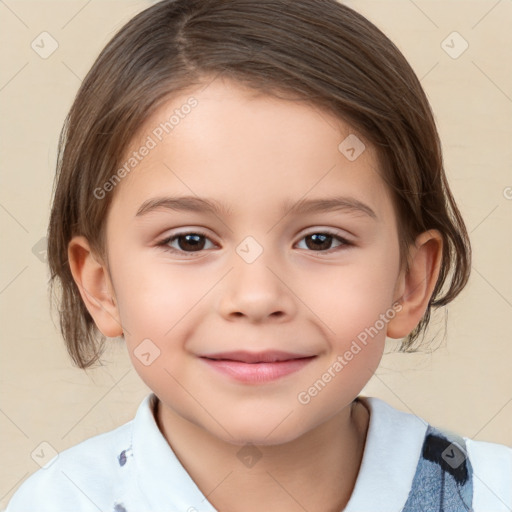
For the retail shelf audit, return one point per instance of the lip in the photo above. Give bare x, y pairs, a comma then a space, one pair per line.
256, 368
267, 356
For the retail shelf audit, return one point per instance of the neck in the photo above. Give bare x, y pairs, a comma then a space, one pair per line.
317, 471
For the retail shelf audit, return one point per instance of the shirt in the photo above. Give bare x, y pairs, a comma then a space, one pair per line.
133, 469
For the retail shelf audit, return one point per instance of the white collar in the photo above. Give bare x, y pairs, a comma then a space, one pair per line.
392, 450
391, 454
161, 476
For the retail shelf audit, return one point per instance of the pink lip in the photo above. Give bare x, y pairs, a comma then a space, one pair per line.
257, 367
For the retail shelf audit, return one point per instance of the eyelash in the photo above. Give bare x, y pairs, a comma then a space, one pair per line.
165, 243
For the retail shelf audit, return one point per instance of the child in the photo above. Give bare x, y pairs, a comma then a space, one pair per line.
251, 193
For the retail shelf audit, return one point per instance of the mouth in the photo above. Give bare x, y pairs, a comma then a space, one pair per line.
257, 368
269, 356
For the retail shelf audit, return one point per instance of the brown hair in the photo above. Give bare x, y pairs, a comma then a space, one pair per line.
320, 51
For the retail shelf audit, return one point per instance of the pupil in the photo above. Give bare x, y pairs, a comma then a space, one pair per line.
323, 238
194, 244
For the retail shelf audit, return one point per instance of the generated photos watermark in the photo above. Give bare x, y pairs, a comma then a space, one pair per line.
152, 140
342, 360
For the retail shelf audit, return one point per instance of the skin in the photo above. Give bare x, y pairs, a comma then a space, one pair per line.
252, 153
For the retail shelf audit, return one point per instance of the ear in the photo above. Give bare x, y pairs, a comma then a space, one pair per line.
416, 284
93, 281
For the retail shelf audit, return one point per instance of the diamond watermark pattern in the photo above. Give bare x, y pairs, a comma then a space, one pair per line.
454, 455
146, 352
44, 454
249, 249
351, 147
249, 455
44, 45
39, 250
454, 45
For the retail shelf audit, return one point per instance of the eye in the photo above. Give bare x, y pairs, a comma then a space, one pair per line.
321, 241
187, 243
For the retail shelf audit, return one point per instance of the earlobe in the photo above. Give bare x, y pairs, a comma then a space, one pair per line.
417, 283
93, 281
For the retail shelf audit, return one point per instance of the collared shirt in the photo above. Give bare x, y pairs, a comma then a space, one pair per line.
133, 469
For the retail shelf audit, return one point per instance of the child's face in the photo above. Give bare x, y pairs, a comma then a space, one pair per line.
260, 281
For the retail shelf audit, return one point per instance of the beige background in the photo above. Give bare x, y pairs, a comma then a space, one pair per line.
465, 385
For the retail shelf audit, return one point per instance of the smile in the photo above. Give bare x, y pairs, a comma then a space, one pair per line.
256, 368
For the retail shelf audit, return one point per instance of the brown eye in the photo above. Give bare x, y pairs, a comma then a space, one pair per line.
185, 243
190, 242
322, 241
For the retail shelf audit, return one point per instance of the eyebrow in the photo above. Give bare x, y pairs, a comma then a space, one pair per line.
309, 206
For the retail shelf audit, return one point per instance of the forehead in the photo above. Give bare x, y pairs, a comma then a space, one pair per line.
246, 149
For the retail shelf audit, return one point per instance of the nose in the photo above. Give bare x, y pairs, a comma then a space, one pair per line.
257, 292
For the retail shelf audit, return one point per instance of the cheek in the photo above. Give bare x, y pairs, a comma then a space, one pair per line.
153, 297
353, 298
154, 303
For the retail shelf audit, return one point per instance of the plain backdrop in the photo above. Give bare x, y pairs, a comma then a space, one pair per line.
465, 385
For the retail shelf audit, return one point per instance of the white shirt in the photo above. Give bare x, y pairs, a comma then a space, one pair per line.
133, 469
